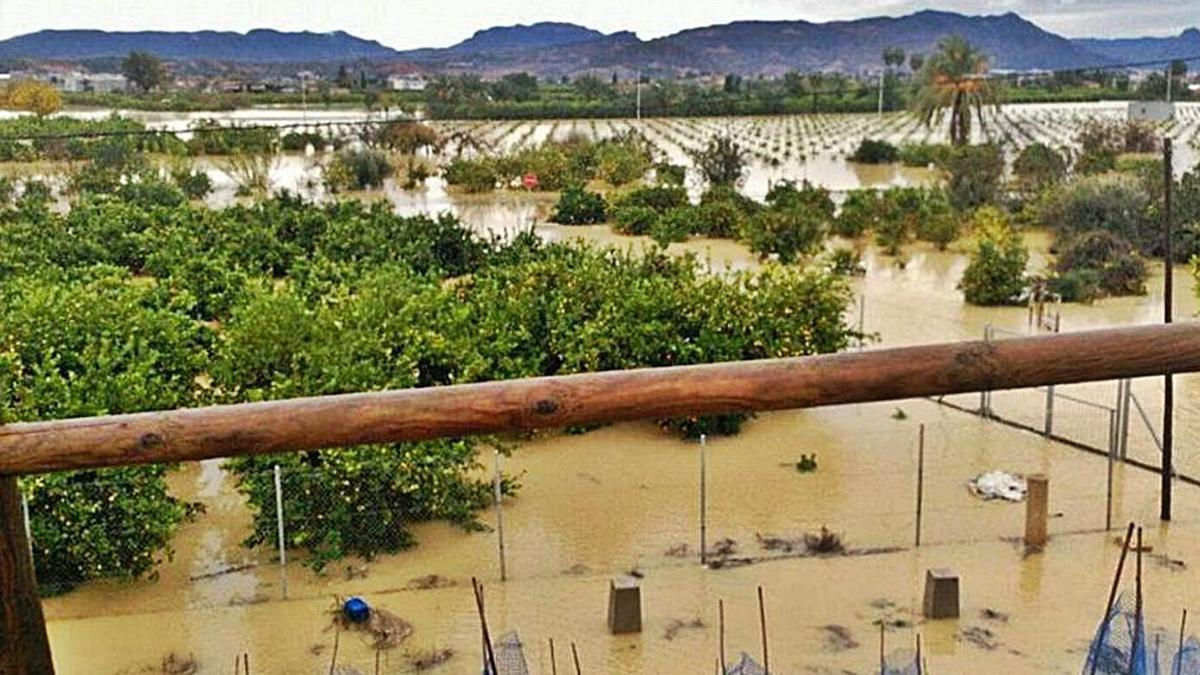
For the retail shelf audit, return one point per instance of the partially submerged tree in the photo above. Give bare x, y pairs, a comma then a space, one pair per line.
35, 96
145, 71
954, 79
722, 161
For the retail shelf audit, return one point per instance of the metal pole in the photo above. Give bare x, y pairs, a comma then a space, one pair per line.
28, 523
1049, 426
279, 524
497, 496
1168, 463
639, 95
1123, 433
983, 394
1109, 493
920, 478
762, 622
703, 500
862, 316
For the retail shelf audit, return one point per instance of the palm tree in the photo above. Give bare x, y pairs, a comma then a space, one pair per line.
954, 78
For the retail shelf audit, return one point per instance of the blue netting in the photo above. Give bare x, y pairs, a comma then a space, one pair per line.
902, 662
1119, 647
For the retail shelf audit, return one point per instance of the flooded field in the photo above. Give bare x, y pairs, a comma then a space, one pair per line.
626, 498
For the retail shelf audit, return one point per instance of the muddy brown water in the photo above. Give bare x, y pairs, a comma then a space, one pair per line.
626, 498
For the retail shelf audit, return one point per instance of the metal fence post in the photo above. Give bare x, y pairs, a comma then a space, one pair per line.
28, 525
1123, 416
1049, 423
282, 539
703, 499
985, 402
497, 494
1112, 452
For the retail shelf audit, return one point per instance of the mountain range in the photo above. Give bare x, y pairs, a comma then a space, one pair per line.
558, 49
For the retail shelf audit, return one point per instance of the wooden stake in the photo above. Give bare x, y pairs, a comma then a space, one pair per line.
553, 663
721, 632
498, 496
24, 647
882, 661
575, 656
489, 652
337, 636
920, 668
762, 622
920, 478
246, 662
1178, 663
1112, 595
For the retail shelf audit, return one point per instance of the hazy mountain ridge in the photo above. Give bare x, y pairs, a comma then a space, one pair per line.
556, 48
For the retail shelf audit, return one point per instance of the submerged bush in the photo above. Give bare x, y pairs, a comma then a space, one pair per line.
578, 206
1116, 266
996, 273
357, 169
472, 175
874, 151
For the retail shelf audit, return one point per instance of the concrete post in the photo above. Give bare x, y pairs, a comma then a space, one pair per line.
941, 594
624, 606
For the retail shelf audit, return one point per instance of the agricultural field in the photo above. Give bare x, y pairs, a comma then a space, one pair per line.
219, 266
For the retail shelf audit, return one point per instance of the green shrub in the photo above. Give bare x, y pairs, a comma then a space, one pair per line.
996, 273
1039, 167
874, 151
1118, 269
577, 206
666, 173
661, 198
1116, 204
722, 161
357, 169
976, 175
618, 163
472, 175
193, 184
634, 220
362, 501
937, 222
92, 346
298, 141
787, 194
923, 154
674, 225
789, 231
1079, 285
859, 213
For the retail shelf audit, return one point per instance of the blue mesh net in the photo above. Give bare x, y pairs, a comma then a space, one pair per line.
1119, 647
901, 662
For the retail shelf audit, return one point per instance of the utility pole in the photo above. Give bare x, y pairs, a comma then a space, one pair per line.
639, 95
1169, 82
882, 74
1168, 450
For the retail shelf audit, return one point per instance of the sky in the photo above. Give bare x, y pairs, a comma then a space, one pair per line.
405, 24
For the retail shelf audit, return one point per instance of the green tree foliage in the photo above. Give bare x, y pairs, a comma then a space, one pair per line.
1117, 204
1039, 167
873, 151
996, 273
975, 175
357, 169
145, 71
1111, 261
578, 206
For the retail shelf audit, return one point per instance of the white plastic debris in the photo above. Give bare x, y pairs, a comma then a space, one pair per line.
999, 485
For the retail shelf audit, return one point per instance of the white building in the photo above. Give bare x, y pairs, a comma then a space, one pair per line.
98, 82
406, 82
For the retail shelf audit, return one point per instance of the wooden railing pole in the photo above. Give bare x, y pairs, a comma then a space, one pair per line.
24, 647
613, 396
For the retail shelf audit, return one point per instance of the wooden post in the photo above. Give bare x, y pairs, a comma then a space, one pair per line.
762, 622
24, 647
721, 633
1177, 664
1037, 510
1137, 612
489, 652
1049, 422
920, 478
1109, 489
575, 657
1168, 454
553, 661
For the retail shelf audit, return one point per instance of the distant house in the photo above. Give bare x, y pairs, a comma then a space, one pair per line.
75, 82
1151, 111
406, 82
